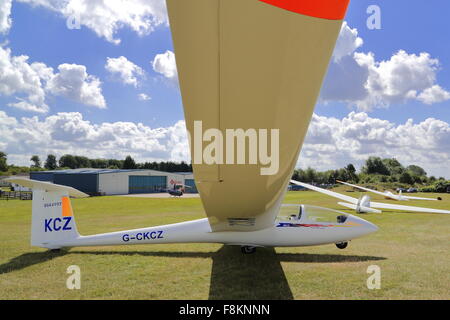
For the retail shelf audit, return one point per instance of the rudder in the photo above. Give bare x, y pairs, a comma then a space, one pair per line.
53, 223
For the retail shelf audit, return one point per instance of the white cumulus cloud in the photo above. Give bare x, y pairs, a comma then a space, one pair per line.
166, 65
75, 83
347, 42
24, 80
5, 15
64, 133
125, 69
30, 83
106, 17
333, 143
359, 80
434, 94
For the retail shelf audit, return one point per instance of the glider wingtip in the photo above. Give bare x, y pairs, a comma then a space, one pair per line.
324, 9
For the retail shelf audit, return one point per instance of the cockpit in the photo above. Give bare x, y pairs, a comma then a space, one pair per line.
311, 214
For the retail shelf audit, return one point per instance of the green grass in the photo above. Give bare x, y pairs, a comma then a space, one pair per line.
412, 250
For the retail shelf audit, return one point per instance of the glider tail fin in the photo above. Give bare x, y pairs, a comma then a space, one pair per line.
53, 223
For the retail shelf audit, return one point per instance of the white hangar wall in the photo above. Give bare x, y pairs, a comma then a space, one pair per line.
116, 183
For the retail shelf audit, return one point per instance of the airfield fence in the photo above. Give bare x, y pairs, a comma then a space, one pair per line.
16, 195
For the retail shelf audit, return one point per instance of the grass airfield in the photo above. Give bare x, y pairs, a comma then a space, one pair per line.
412, 250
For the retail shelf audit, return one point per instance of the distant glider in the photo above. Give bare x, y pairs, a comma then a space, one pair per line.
364, 205
388, 194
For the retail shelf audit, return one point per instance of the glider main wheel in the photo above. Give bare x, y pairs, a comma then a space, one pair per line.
248, 250
342, 245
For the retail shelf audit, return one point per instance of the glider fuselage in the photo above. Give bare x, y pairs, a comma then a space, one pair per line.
284, 233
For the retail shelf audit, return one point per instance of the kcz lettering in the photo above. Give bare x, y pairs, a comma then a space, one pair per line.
57, 224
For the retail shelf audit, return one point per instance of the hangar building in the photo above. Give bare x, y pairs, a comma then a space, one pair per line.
117, 182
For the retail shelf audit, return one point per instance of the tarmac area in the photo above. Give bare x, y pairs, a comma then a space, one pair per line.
161, 195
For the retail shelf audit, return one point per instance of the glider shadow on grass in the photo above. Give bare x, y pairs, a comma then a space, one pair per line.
259, 276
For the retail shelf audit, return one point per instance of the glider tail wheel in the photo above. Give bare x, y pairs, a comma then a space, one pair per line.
248, 250
342, 245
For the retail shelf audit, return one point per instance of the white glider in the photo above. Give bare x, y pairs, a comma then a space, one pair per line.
54, 227
364, 205
388, 194
241, 65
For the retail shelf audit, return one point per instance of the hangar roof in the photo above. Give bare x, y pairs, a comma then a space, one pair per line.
104, 171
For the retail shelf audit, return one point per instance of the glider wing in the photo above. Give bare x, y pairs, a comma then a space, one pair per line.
406, 208
366, 189
419, 198
327, 192
250, 65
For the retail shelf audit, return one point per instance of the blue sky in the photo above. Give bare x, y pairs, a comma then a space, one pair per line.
414, 87
414, 26
43, 35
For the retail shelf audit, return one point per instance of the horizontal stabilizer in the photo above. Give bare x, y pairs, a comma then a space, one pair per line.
47, 186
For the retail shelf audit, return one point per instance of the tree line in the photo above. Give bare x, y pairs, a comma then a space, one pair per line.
376, 170
388, 172
69, 161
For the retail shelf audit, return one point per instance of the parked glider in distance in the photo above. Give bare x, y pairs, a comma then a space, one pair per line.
388, 194
241, 64
364, 205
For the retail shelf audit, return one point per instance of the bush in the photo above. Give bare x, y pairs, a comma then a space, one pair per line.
440, 186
